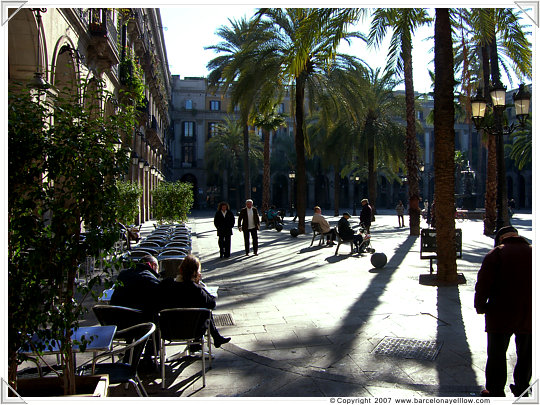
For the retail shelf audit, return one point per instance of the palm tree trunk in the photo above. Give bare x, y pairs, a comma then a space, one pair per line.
491, 167
502, 198
247, 176
410, 140
300, 157
266, 171
337, 189
372, 175
444, 148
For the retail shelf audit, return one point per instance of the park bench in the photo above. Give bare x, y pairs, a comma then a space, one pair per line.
316, 231
428, 245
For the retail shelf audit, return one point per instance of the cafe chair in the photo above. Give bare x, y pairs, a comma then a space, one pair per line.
124, 318
316, 232
178, 244
124, 372
141, 252
185, 326
340, 240
169, 267
150, 244
172, 252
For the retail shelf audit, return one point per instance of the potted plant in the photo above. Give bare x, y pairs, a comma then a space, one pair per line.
62, 194
172, 201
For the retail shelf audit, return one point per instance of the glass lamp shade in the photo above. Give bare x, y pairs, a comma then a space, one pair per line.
146, 166
498, 95
135, 159
292, 175
153, 169
141, 163
478, 106
522, 101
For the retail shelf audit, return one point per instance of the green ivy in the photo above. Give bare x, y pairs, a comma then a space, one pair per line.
172, 202
131, 76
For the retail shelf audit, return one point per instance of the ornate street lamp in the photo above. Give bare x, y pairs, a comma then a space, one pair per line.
479, 105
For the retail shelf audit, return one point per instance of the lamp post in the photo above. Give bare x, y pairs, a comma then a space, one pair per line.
292, 176
522, 100
355, 180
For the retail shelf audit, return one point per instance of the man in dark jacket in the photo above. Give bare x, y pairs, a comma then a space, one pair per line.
224, 223
365, 215
345, 231
504, 295
137, 287
248, 222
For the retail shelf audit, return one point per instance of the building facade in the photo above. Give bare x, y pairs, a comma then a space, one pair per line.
195, 112
60, 47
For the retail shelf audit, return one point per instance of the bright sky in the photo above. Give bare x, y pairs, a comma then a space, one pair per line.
189, 28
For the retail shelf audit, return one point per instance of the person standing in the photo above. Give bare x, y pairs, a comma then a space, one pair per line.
503, 292
400, 210
365, 215
248, 222
224, 223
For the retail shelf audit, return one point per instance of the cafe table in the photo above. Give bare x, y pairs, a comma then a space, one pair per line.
97, 339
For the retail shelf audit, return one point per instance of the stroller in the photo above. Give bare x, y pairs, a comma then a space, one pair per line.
365, 245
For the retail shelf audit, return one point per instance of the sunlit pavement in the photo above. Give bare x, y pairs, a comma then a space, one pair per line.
308, 323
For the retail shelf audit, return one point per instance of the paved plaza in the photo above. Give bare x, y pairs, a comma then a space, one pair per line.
308, 323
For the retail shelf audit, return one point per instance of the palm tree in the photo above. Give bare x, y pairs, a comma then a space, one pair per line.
495, 34
403, 22
228, 70
379, 140
444, 148
305, 42
268, 121
224, 152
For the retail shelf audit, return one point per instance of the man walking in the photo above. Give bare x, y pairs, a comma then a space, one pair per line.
504, 295
248, 222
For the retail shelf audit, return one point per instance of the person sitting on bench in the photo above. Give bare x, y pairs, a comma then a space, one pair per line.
325, 226
345, 230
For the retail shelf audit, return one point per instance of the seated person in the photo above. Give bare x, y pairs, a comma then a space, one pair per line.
137, 287
345, 230
325, 226
188, 291
273, 215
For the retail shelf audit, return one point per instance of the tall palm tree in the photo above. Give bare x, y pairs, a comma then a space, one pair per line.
234, 70
379, 140
493, 37
268, 121
403, 22
444, 148
224, 152
305, 42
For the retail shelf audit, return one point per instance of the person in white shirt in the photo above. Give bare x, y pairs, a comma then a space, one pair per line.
325, 226
248, 222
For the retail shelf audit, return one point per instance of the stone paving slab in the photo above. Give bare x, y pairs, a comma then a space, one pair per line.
307, 321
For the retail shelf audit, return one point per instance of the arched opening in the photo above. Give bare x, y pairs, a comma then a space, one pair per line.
65, 73
23, 34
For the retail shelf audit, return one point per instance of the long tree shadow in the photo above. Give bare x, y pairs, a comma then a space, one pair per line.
454, 363
360, 312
